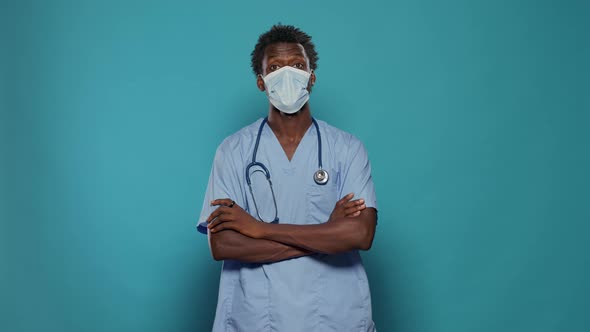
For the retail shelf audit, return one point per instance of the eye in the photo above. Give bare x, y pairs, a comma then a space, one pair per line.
299, 65
274, 67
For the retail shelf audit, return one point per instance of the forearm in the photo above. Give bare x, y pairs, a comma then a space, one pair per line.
332, 237
229, 244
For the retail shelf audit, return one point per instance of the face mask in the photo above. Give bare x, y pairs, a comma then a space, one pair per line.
286, 88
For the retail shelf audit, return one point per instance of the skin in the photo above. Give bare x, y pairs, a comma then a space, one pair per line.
338, 234
231, 244
235, 234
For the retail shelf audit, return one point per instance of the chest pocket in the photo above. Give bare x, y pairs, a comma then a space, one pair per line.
321, 200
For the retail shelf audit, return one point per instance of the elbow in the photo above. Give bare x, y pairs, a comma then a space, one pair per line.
367, 233
366, 237
217, 256
217, 251
366, 243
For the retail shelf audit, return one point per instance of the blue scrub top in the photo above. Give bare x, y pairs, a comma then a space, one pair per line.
312, 293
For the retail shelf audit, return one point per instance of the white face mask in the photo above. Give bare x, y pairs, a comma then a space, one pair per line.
286, 88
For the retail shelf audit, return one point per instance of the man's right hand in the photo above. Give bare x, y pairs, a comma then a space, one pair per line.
347, 208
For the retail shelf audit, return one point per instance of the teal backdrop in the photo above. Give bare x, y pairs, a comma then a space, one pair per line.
474, 113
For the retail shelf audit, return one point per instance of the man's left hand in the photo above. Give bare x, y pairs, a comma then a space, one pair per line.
230, 215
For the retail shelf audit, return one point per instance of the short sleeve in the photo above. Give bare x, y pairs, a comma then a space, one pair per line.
223, 183
357, 177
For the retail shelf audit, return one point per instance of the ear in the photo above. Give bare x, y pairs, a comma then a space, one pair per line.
260, 83
311, 81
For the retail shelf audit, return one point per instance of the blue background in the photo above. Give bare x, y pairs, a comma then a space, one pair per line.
474, 113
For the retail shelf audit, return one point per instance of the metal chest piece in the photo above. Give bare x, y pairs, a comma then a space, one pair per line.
320, 176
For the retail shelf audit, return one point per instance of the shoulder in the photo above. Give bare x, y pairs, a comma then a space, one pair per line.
241, 139
342, 141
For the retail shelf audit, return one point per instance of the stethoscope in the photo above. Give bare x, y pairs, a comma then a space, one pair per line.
320, 176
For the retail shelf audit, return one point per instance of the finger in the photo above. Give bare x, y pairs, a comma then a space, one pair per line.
351, 207
223, 218
219, 211
222, 201
221, 227
356, 202
354, 214
345, 199
215, 223
355, 209
214, 214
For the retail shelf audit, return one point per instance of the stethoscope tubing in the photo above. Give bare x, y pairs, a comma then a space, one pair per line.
322, 181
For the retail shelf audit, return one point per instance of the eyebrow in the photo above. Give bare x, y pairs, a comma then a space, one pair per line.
301, 56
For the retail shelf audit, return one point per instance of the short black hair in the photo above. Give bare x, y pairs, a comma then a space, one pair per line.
283, 34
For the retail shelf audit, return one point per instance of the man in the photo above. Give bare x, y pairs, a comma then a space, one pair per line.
273, 213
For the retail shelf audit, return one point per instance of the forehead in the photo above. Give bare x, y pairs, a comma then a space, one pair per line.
279, 50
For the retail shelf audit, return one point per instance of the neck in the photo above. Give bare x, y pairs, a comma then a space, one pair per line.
289, 125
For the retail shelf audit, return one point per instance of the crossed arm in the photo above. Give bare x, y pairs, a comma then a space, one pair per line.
237, 235
230, 244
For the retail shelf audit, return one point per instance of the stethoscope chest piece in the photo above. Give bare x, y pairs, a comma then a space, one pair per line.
320, 176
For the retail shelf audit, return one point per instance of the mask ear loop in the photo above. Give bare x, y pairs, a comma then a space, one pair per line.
262, 78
